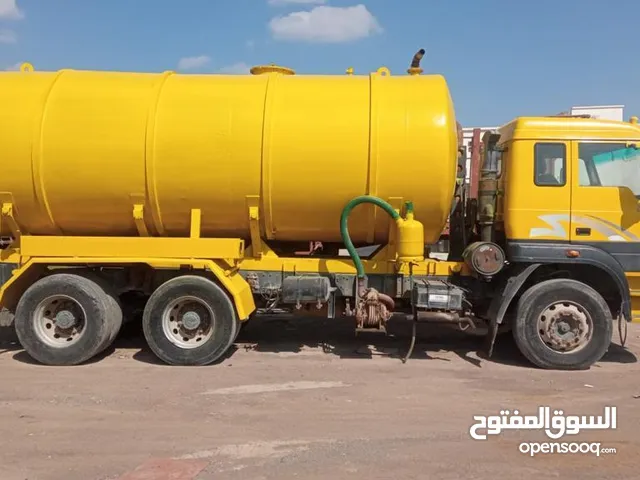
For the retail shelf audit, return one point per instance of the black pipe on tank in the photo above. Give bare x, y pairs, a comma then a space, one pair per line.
415, 63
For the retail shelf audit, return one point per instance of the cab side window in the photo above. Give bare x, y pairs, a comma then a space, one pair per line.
550, 164
609, 165
587, 177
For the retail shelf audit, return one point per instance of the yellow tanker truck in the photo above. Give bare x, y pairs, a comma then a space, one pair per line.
197, 194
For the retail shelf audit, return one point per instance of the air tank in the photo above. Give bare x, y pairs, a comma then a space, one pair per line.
79, 149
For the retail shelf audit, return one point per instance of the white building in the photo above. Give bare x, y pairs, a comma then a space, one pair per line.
605, 112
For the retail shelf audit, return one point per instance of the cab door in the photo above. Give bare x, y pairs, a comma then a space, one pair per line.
538, 204
605, 189
604, 205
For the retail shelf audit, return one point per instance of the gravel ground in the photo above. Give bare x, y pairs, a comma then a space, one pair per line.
307, 399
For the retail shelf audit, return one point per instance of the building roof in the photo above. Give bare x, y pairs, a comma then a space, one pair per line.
471, 129
596, 107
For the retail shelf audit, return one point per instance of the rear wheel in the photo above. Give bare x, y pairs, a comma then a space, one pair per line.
189, 320
64, 319
562, 324
114, 313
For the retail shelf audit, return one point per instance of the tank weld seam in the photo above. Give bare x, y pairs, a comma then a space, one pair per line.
265, 162
151, 191
37, 162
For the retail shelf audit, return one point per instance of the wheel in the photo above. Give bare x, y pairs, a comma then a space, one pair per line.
562, 324
189, 320
115, 311
114, 315
63, 319
115, 319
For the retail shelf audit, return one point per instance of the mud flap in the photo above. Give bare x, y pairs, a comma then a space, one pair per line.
500, 304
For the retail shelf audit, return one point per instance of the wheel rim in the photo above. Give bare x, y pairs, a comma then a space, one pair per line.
59, 321
188, 322
565, 327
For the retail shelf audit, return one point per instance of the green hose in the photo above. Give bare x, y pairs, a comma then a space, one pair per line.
344, 229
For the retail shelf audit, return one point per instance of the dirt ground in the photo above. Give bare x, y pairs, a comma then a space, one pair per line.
307, 399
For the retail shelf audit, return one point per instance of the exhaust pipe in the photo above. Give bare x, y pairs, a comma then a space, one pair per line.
415, 63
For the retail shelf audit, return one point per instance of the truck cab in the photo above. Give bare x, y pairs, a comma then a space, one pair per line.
562, 194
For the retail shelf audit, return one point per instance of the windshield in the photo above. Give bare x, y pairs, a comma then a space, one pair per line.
610, 165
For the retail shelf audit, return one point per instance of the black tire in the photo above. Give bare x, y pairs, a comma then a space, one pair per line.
562, 293
209, 294
88, 295
114, 315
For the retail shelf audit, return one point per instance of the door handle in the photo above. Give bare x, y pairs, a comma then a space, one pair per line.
583, 231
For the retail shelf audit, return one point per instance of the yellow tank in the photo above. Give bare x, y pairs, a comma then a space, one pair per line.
78, 149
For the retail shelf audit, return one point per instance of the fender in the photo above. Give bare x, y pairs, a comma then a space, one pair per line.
551, 252
539, 253
500, 303
231, 280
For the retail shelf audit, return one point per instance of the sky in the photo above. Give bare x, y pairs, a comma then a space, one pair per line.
501, 58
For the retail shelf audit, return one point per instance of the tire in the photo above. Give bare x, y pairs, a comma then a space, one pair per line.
166, 333
114, 315
545, 308
36, 327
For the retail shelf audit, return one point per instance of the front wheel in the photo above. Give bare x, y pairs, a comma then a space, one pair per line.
189, 320
562, 324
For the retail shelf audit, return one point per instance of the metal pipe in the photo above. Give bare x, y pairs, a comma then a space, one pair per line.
415, 63
474, 174
444, 318
388, 301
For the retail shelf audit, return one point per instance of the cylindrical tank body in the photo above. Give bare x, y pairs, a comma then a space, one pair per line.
78, 149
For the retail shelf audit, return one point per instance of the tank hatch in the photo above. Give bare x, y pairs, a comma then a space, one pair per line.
263, 69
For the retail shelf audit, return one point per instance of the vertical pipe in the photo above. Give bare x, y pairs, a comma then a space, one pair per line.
475, 164
488, 188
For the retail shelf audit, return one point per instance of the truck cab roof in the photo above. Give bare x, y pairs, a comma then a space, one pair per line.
568, 128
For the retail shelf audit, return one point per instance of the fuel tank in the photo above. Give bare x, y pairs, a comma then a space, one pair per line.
80, 149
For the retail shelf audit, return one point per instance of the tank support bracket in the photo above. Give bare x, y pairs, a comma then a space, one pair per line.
196, 222
138, 217
7, 216
253, 207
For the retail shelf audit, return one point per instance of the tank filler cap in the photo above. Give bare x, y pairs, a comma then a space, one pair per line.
263, 69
